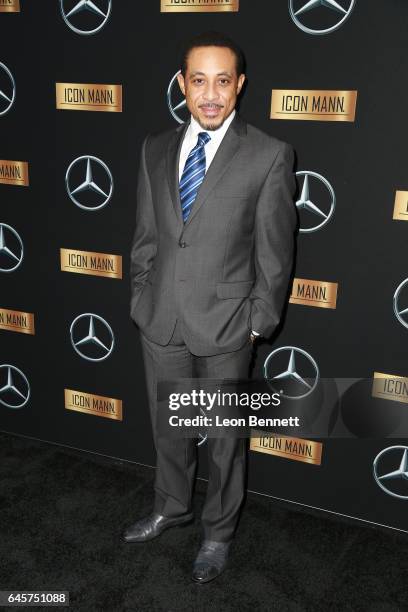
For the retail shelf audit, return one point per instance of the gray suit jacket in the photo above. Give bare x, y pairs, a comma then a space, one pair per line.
226, 270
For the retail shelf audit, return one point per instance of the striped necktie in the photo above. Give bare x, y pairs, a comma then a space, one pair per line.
193, 174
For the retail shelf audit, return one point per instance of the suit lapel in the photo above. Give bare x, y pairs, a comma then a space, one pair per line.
222, 160
172, 166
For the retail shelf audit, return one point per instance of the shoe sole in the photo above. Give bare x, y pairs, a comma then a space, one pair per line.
181, 524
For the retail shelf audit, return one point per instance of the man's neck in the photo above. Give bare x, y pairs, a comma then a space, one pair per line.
197, 127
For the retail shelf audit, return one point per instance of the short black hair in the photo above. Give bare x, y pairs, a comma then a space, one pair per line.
212, 39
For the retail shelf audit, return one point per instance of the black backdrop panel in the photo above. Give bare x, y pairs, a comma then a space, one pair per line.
362, 248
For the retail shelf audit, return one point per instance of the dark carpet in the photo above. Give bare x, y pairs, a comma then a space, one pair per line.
62, 512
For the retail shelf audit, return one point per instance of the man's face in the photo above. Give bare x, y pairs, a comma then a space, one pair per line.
211, 85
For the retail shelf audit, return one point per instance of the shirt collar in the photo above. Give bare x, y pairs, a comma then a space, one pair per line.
216, 135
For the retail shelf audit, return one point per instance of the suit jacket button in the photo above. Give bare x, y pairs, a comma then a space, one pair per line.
182, 244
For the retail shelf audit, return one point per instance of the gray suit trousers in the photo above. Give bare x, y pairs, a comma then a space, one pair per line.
177, 458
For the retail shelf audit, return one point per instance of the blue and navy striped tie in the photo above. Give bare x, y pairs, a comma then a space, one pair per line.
193, 175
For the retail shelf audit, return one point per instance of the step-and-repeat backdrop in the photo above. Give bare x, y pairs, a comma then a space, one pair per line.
81, 84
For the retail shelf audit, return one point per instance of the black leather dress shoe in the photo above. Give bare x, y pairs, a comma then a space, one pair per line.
152, 526
211, 561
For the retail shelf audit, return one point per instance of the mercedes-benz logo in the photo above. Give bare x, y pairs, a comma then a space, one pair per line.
7, 89
175, 107
281, 369
14, 387
401, 313
91, 337
88, 16
11, 248
93, 180
304, 202
331, 21
202, 438
396, 479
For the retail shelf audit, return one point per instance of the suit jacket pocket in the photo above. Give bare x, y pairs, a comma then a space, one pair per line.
237, 289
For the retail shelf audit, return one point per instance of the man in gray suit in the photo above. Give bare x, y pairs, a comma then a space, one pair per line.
210, 264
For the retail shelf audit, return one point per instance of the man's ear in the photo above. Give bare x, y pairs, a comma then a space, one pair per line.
241, 81
180, 79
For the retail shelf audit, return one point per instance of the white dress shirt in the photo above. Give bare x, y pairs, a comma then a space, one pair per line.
191, 137
190, 141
